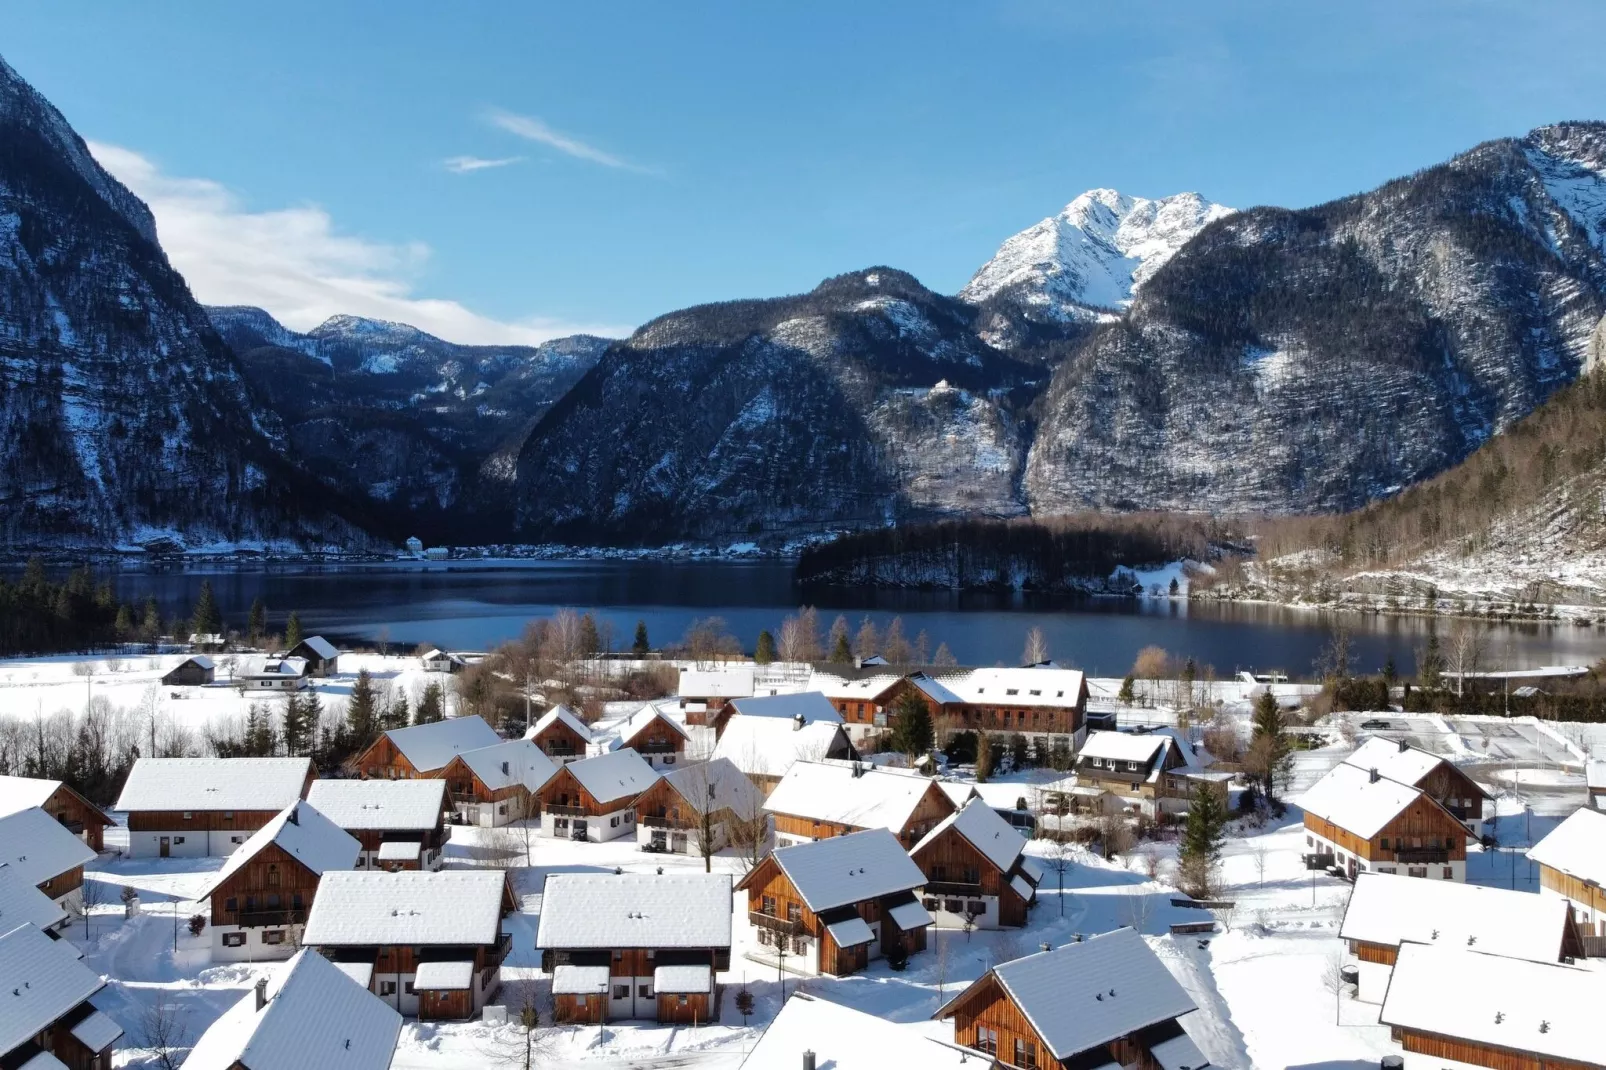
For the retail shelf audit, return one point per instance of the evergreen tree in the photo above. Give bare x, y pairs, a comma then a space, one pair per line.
1269, 744
124, 623
590, 638
297, 730
397, 715
429, 705
150, 624
640, 646
256, 623
1127, 693
764, 653
1202, 839
841, 651
1430, 666
292, 631
984, 756
362, 712
911, 726
943, 658
206, 620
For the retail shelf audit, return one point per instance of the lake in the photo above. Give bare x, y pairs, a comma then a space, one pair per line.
476, 605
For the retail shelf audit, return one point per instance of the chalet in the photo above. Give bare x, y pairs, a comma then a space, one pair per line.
1457, 1007
976, 870
1385, 912
22, 903
320, 655
594, 798
48, 1021
424, 749
815, 800
711, 798
1360, 821
308, 1014
1103, 1002
813, 1031
77, 814
261, 895
807, 707
1572, 864
194, 807
494, 785
438, 660
1428, 773
561, 735
635, 945
404, 820
428, 944
704, 692
195, 671
832, 905
1031, 701
764, 748
864, 695
37, 851
654, 735
1151, 773
269, 674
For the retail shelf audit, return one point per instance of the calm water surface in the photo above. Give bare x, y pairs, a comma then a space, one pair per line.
474, 606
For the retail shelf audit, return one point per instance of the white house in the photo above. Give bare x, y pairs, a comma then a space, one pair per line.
766, 747
195, 807
270, 674
381, 812
1364, 822
438, 660
47, 1021
812, 1031
974, 858
37, 851
1572, 865
593, 798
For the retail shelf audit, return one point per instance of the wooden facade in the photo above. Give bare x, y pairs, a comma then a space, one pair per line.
79, 816
627, 966
988, 1021
1436, 1046
934, 805
273, 889
564, 794
464, 787
655, 739
1452, 789
559, 741
189, 673
200, 822
572, 1009
1590, 897
956, 870
774, 905
687, 1008
59, 1041
875, 711
1423, 834
63, 883
382, 760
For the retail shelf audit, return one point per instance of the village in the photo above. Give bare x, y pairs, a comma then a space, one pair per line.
770, 867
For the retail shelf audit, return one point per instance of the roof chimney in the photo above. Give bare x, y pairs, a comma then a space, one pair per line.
1373, 777
262, 992
797, 722
1404, 746
1046, 946
858, 663
808, 1060
294, 818
504, 769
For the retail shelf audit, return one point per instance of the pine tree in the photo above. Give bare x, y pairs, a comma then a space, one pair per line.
362, 712
124, 623
1269, 745
296, 731
1430, 667
397, 716
1127, 693
764, 653
640, 646
256, 623
205, 620
292, 631
841, 652
151, 620
590, 638
1391, 675
429, 705
1202, 839
984, 756
911, 726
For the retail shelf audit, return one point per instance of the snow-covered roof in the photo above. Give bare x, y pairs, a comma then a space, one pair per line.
176, 784
811, 705
432, 746
1595, 774
831, 685
22, 903
716, 683
319, 646
315, 1015
639, 910
400, 851
934, 688
731, 790
1540, 1008
848, 869
619, 774
559, 713
850, 793
97, 1031
642, 718
361, 908
768, 746
510, 763
1082, 995
847, 1039
1576, 847
1403, 764
37, 847
44, 1060
910, 915
25, 792
1389, 909
268, 667
1023, 887
40, 981
1015, 687
981, 826
676, 980
850, 931
1349, 798
959, 792
302, 832
579, 980
198, 659
446, 975
380, 805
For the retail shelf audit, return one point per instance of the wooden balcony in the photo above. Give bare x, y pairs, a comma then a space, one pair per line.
1420, 855
773, 923
657, 821
260, 918
564, 811
952, 888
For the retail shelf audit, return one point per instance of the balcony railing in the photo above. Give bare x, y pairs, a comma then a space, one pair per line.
564, 811
656, 821
952, 888
770, 921
254, 918
656, 748
1422, 854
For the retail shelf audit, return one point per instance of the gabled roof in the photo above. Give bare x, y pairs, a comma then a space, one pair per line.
851, 686
619, 774
22, 903
639, 721
1407, 765
811, 705
984, 830
768, 746
1015, 687
176, 784
850, 793
1124, 746
1543, 1009
716, 683
380, 805
1083, 995
1576, 847
301, 832
37, 847
362, 908
639, 910
319, 646
514, 762
315, 1016
559, 713
1349, 798
1392, 910
847, 869
431, 746
843, 1038
25, 792
715, 785
258, 667
198, 659
934, 689
40, 981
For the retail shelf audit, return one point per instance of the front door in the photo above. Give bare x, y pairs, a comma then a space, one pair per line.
677, 843
165, 846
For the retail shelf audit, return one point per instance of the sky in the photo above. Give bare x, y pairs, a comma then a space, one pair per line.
509, 172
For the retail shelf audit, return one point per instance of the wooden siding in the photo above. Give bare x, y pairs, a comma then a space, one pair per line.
247, 821
79, 815
1415, 827
382, 761
1592, 896
1437, 1046
1449, 785
273, 872
986, 1003
559, 740
62, 883
565, 790
588, 1010
695, 1011
1379, 953
463, 786
657, 736
950, 859
768, 879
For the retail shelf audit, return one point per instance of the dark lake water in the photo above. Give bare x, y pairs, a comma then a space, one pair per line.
474, 606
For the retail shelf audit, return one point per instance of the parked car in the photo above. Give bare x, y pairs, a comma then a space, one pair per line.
1376, 724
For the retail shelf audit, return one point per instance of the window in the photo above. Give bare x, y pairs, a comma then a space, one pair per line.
1025, 1053
1449, 873
669, 759
684, 999
228, 815
387, 988
178, 839
764, 937
273, 901
273, 936
231, 904
1384, 843
767, 905
651, 954
621, 991
799, 945
630, 817
794, 912
1416, 871
407, 988
502, 809
644, 991
972, 876
560, 824
273, 876
986, 1040
613, 822
233, 939
976, 907
188, 815
929, 903
618, 956
951, 905
295, 901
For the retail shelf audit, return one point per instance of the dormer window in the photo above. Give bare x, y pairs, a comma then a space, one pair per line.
1011, 690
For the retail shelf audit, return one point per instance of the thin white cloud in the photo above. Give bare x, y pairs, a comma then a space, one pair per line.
530, 128
294, 263
462, 165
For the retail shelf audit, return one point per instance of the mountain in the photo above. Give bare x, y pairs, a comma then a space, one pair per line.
124, 419
1296, 361
423, 430
866, 401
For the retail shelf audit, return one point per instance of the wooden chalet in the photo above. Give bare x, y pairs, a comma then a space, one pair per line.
35, 850
401, 824
764, 748
977, 871
1032, 701
1105, 1001
1151, 773
800, 708
635, 945
816, 800
830, 906
1449, 1006
75, 813
194, 671
1430, 774
429, 944
261, 896
47, 1020
711, 798
422, 750
1359, 821
864, 695
496, 785
195, 807
838, 1037
320, 655
594, 798
654, 735
1572, 865
1387, 911
704, 692
561, 734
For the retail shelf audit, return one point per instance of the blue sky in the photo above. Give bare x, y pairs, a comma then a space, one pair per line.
318, 157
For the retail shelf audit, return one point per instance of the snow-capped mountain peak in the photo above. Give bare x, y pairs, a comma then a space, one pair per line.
1093, 255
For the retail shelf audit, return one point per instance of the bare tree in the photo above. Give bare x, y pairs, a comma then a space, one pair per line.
166, 1034
1059, 860
522, 1042
1465, 650
1261, 854
940, 962
1139, 908
1333, 981
91, 894
1036, 647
